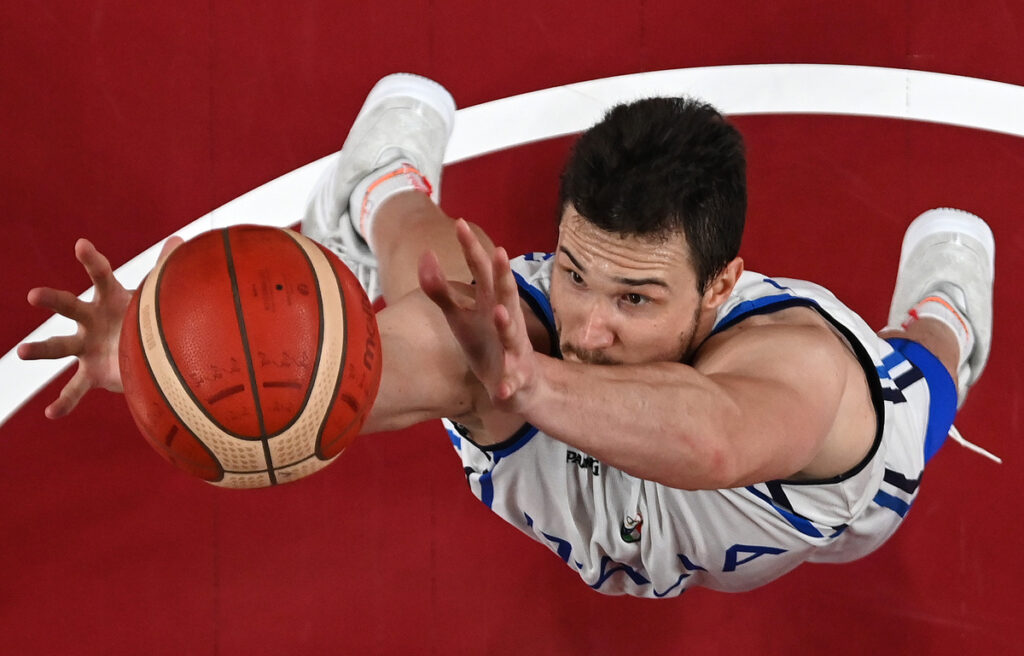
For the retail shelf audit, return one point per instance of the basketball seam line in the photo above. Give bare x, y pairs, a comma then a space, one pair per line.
153, 281
248, 355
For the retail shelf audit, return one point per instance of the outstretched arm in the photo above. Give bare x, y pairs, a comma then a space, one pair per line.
748, 411
424, 375
99, 328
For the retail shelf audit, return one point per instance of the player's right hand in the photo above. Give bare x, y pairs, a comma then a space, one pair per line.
95, 343
488, 322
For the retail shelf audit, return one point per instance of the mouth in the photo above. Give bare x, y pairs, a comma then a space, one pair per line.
573, 353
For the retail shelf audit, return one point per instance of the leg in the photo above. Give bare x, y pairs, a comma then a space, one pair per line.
942, 307
936, 337
398, 255
943, 296
388, 175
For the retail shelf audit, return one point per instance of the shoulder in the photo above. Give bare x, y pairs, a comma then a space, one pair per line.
774, 319
783, 344
794, 366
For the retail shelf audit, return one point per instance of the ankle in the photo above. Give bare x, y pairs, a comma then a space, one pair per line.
942, 306
389, 182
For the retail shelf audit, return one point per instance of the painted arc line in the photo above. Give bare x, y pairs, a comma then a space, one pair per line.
558, 111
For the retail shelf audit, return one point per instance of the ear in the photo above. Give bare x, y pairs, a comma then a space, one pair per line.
722, 285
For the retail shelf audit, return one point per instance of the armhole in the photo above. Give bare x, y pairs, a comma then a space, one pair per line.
771, 304
541, 306
507, 446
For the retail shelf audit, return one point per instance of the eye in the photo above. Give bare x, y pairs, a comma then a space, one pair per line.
575, 277
635, 299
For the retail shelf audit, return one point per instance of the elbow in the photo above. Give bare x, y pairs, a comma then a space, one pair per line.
711, 459
702, 464
717, 470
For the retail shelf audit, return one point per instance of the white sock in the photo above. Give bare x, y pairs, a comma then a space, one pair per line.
398, 176
941, 307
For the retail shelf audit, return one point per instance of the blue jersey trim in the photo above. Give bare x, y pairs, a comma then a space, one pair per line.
762, 305
799, 523
513, 444
543, 303
942, 404
499, 452
892, 360
898, 506
541, 306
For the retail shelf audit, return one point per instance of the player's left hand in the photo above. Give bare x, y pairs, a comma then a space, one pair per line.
95, 343
486, 319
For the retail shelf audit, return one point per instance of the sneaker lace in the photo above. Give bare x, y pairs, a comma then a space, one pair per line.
959, 439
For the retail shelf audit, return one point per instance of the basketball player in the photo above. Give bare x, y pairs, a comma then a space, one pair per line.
635, 400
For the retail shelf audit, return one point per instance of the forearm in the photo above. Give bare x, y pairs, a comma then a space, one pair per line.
424, 375
663, 421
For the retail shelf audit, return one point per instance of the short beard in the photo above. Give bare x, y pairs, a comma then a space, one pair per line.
686, 340
586, 356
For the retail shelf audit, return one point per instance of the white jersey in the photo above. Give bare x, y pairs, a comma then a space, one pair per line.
624, 535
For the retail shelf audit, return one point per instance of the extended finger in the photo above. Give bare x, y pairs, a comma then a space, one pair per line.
511, 381
96, 265
433, 282
504, 281
507, 328
69, 396
51, 349
508, 312
508, 288
476, 258
60, 301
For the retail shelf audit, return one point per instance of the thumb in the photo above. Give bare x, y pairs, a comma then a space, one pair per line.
168, 247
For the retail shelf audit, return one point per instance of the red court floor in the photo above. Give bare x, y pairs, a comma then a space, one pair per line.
123, 121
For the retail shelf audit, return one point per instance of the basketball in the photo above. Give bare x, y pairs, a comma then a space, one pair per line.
250, 357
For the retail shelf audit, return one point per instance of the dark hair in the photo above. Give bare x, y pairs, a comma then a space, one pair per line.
657, 166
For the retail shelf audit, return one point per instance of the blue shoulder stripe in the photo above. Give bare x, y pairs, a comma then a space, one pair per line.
762, 305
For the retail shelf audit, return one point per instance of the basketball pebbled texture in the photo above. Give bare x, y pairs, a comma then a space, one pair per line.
250, 357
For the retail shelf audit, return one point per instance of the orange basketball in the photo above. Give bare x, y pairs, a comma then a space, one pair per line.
250, 357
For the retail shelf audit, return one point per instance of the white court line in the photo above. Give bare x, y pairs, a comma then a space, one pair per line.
749, 89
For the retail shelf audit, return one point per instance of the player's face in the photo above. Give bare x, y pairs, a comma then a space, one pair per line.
623, 300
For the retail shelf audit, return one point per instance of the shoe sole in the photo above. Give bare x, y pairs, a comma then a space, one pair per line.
946, 219
412, 86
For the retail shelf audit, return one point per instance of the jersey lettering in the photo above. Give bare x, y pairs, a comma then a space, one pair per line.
732, 560
736, 555
583, 461
635, 576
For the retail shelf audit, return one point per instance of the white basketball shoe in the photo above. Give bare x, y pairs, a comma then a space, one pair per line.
951, 252
405, 124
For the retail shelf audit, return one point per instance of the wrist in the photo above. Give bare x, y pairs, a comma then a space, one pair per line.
528, 397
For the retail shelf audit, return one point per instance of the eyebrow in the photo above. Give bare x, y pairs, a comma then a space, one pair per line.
632, 282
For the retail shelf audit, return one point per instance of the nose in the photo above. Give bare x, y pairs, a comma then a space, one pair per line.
597, 332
